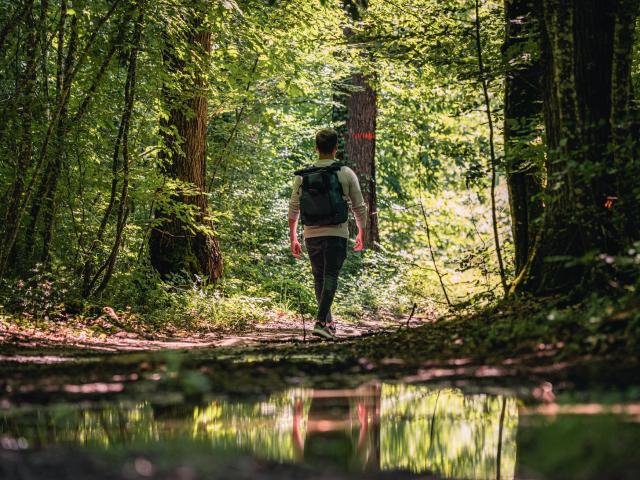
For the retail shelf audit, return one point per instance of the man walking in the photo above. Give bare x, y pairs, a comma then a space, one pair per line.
320, 197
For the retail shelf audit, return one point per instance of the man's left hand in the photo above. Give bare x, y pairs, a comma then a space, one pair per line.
296, 249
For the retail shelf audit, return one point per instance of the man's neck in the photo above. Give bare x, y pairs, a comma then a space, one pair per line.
325, 157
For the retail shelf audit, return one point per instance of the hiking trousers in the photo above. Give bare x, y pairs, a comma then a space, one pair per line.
327, 254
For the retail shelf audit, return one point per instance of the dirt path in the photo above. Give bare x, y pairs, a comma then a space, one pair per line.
15, 340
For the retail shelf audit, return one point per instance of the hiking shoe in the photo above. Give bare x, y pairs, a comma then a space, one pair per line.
326, 331
331, 326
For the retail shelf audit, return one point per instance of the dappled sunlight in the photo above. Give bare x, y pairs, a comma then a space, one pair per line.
89, 388
319, 239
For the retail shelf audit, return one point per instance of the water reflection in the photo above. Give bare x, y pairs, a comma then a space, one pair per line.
446, 432
341, 427
373, 427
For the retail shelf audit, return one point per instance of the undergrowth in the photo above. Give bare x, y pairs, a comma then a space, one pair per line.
257, 287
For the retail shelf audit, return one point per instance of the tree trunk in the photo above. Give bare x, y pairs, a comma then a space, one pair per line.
356, 107
11, 224
624, 130
45, 203
91, 278
177, 245
51, 199
493, 163
524, 158
14, 20
360, 148
581, 216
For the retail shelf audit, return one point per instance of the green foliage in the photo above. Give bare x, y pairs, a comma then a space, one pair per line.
267, 92
41, 296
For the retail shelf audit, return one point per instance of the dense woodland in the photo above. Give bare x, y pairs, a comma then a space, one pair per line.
147, 150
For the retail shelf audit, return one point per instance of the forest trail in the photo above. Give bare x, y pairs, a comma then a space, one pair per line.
16, 340
260, 411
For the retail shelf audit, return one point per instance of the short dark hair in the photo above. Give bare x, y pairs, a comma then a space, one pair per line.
326, 140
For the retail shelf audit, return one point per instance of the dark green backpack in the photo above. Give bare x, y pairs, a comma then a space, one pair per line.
321, 196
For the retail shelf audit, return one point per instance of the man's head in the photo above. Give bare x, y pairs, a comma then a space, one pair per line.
327, 141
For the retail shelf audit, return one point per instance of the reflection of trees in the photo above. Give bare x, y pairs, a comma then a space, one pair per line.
117, 424
500, 433
445, 432
385, 427
264, 428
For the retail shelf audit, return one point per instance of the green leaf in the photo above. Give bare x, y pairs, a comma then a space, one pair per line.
231, 5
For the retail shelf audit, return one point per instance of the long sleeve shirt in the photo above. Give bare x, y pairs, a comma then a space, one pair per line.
352, 194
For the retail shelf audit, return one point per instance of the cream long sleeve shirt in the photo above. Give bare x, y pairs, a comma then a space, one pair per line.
352, 194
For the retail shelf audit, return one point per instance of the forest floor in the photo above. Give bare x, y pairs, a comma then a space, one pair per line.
21, 336
552, 357
523, 339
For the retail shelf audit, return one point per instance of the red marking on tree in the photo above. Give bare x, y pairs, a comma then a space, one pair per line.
608, 204
364, 135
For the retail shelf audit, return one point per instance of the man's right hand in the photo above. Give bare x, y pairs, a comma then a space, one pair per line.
359, 246
296, 249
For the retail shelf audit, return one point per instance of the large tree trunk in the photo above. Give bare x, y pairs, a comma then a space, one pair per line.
625, 131
356, 107
360, 148
176, 245
524, 158
583, 173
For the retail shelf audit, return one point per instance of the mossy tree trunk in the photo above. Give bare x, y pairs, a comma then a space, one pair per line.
183, 239
587, 196
523, 124
624, 117
24, 155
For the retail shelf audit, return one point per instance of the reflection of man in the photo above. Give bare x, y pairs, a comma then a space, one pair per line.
342, 428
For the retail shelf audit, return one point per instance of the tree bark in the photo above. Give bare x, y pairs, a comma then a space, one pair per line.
46, 201
624, 131
91, 278
177, 245
581, 97
67, 66
14, 20
360, 148
493, 164
11, 224
356, 106
524, 158
51, 199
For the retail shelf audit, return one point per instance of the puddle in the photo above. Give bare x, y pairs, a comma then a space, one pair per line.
378, 427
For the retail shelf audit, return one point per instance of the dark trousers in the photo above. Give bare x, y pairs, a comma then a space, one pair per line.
327, 255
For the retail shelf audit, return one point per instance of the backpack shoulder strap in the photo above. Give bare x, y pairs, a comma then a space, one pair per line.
335, 167
306, 170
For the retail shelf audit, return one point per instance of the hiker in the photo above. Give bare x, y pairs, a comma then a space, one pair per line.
321, 198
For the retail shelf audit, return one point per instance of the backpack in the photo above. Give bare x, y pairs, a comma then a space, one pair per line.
321, 199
